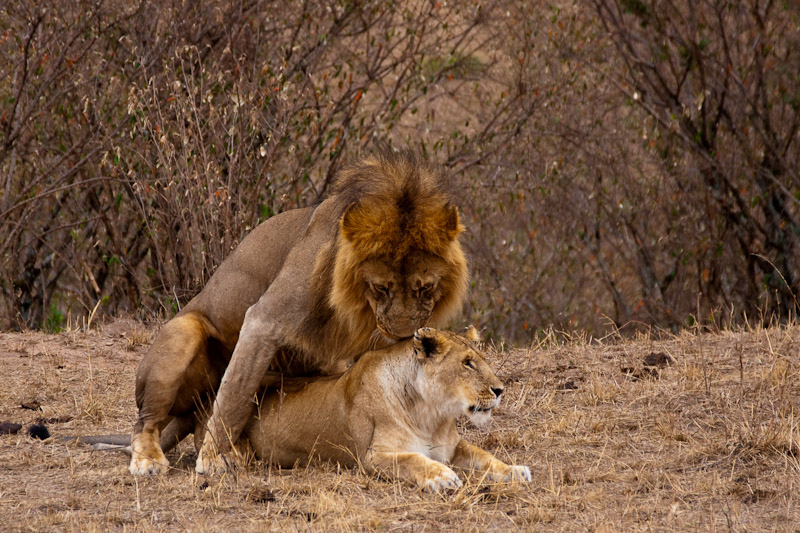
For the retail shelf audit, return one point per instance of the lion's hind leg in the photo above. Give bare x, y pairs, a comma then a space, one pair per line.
173, 375
147, 457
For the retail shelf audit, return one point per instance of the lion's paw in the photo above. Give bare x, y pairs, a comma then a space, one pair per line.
518, 473
211, 462
445, 480
147, 459
147, 466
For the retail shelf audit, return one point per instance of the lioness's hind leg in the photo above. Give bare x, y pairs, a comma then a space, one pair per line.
174, 372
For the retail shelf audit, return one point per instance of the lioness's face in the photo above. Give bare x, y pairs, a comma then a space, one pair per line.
403, 295
462, 379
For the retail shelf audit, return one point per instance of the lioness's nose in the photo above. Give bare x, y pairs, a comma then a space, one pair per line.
497, 391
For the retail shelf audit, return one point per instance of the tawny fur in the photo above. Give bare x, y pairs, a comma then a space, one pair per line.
294, 298
420, 216
394, 412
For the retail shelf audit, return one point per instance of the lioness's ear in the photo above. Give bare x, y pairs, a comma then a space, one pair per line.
425, 343
472, 333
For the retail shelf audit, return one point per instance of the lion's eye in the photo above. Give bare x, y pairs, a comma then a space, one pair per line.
469, 364
425, 290
383, 290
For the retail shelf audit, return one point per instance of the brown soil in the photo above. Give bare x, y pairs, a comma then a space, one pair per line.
696, 432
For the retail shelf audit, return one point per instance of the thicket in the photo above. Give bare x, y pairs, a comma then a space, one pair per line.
620, 162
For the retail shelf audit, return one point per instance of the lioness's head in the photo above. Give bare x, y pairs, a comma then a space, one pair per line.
457, 374
398, 260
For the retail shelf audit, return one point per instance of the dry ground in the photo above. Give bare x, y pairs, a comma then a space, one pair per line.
703, 438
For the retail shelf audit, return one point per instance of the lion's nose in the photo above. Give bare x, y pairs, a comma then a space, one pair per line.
497, 391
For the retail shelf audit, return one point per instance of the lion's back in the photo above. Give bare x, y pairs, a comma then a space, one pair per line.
249, 270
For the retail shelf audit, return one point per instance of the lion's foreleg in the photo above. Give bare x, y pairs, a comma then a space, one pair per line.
414, 468
470, 457
236, 398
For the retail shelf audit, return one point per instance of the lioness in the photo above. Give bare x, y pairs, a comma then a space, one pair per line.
378, 258
394, 412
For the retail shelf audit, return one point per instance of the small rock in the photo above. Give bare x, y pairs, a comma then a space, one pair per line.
261, 495
31, 404
54, 420
37, 431
568, 385
658, 359
9, 428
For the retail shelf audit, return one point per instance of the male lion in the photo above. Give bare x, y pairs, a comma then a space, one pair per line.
305, 291
394, 412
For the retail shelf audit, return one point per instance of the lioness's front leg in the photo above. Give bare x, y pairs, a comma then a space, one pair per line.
237, 395
470, 457
425, 473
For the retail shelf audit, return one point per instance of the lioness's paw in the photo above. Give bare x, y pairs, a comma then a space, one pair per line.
445, 480
145, 466
518, 473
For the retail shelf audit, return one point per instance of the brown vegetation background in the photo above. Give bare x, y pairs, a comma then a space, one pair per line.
620, 162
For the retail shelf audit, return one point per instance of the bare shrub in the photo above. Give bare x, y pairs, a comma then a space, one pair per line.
719, 84
192, 125
621, 163
574, 233
656, 180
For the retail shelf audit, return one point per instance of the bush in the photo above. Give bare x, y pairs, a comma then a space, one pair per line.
139, 144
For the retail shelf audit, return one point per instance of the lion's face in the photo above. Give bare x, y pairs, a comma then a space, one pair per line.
458, 375
403, 295
398, 262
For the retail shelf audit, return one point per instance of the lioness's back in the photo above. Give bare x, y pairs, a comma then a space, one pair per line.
301, 421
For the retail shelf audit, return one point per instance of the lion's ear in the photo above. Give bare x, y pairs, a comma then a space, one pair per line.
452, 222
425, 343
472, 333
349, 224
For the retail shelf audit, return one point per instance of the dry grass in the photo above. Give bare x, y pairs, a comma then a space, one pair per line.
709, 441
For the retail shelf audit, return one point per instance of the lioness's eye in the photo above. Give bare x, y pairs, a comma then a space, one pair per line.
469, 364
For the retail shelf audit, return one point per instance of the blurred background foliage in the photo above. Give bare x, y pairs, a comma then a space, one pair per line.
620, 164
